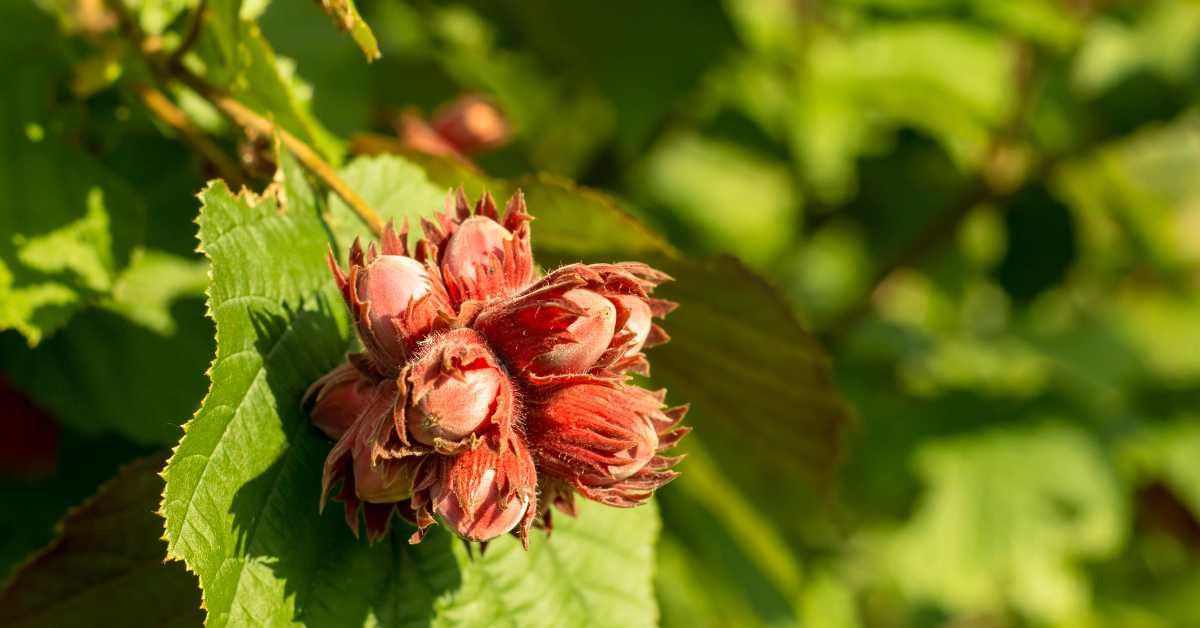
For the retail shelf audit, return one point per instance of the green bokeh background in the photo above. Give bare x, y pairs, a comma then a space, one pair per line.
987, 212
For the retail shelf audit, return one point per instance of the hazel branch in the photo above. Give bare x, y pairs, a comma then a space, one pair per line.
193, 33
162, 108
238, 113
250, 120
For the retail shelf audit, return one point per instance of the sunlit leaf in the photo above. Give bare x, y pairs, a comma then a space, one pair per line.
1167, 453
345, 15
760, 188
1006, 518
237, 57
947, 79
67, 225
242, 487
396, 189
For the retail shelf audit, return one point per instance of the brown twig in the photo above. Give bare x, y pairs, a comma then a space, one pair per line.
162, 108
246, 118
192, 35
250, 120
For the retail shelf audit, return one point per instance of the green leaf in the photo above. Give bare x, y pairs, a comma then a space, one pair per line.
1132, 196
718, 540
1006, 516
146, 290
332, 65
692, 593
237, 57
560, 123
156, 15
345, 16
242, 487
243, 480
595, 570
574, 223
640, 78
106, 568
106, 373
132, 366
67, 225
55, 271
761, 388
395, 188
1161, 38
761, 189
945, 78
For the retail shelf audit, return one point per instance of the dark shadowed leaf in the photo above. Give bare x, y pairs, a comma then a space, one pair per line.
1041, 242
134, 366
107, 567
32, 501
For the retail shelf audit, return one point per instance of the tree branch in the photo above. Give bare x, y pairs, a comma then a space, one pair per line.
162, 108
243, 116
250, 120
192, 35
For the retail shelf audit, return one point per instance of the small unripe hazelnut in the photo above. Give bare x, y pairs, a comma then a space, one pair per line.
340, 398
457, 388
471, 124
395, 288
485, 493
476, 249
637, 321
385, 481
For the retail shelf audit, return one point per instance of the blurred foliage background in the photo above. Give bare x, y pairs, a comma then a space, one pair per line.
988, 212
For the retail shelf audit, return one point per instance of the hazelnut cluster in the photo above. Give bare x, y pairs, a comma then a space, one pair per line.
484, 394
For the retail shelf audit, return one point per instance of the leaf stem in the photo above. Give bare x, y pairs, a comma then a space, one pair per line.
162, 108
240, 114
249, 119
192, 35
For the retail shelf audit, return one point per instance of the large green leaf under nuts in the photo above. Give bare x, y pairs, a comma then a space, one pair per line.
242, 486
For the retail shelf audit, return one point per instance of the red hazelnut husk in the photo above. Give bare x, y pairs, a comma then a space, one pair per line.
374, 484
486, 492
482, 255
384, 480
395, 299
574, 321
340, 397
480, 387
457, 389
605, 439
